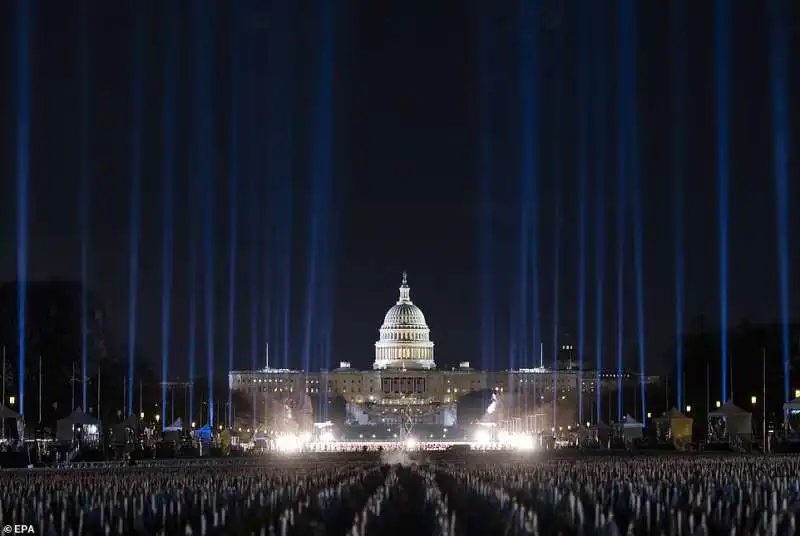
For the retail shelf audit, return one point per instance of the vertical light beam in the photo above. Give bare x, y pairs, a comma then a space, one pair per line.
167, 171
135, 192
622, 186
679, 100
628, 44
780, 131
22, 69
84, 201
721, 77
583, 180
557, 201
317, 314
599, 133
485, 250
233, 182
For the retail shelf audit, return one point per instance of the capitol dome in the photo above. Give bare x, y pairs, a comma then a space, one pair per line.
404, 336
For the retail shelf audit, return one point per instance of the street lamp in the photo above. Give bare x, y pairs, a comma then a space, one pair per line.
753, 400
797, 393
649, 415
688, 409
158, 417
194, 424
141, 415
12, 400
719, 404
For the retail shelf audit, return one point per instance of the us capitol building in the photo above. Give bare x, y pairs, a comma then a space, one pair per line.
405, 386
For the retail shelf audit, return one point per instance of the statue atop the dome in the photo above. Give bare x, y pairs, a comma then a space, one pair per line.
405, 279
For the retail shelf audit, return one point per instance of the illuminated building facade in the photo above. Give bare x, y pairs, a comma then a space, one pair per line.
405, 384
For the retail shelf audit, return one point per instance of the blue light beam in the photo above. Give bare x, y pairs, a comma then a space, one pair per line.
679, 100
599, 132
84, 201
233, 181
135, 193
780, 132
530, 169
485, 250
22, 70
721, 77
628, 67
583, 180
167, 173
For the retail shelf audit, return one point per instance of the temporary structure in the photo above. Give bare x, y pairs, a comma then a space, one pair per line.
791, 415
675, 425
173, 432
630, 428
65, 428
602, 432
736, 420
177, 426
7, 413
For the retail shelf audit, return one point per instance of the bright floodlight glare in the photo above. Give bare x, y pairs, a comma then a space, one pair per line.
525, 442
482, 436
287, 443
411, 443
503, 437
326, 437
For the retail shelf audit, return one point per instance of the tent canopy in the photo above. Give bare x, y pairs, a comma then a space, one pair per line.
7, 413
738, 421
630, 422
672, 414
177, 426
679, 424
78, 417
729, 409
65, 427
792, 404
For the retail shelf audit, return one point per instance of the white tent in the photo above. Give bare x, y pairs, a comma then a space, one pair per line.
791, 415
737, 420
65, 427
630, 428
177, 426
792, 405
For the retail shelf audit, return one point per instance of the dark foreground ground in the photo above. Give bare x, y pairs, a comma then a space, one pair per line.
442, 494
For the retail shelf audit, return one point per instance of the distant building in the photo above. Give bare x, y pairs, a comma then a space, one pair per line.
404, 384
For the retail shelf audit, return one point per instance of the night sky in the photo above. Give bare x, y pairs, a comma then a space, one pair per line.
361, 139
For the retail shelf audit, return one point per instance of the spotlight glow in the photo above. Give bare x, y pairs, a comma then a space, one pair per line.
780, 129
583, 179
233, 180
134, 222
288, 444
627, 47
600, 144
167, 128
678, 162
721, 76
84, 202
485, 250
411, 444
204, 152
557, 201
22, 71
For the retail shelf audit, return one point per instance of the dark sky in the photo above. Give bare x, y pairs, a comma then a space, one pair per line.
381, 170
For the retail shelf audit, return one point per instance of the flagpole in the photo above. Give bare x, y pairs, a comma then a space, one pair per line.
40, 389
98, 393
4, 389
